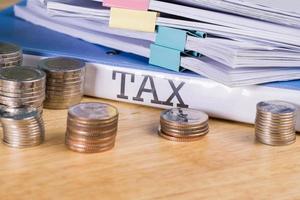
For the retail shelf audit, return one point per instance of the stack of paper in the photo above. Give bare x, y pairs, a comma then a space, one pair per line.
241, 49
277, 11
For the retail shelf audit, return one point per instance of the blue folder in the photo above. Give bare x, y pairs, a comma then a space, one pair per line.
37, 40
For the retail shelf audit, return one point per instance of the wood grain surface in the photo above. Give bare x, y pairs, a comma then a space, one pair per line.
225, 164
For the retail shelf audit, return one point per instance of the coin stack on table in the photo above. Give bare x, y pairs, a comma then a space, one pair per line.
10, 55
275, 123
183, 124
65, 81
22, 86
22, 127
91, 127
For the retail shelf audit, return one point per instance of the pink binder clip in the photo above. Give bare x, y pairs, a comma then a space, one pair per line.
128, 4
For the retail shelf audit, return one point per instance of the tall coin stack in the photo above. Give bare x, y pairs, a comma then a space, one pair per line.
22, 127
65, 81
275, 123
183, 124
91, 127
10, 55
22, 86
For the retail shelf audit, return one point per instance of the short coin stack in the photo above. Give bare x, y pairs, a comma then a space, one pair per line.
65, 81
275, 123
91, 127
183, 124
22, 127
10, 55
22, 86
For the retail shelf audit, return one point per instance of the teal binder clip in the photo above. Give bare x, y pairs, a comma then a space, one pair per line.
165, 57
175, 38
168, 58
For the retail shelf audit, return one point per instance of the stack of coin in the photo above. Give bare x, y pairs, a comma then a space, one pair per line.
22, 127
183, 124
65, 81
22, 86
275, 123
10, 55
91, 127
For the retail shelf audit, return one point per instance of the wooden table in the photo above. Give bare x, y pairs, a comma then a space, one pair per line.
225, 164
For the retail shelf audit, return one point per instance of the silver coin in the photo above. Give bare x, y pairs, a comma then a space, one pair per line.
22, 145
21, 86
276, 107
93, 111
21, 95
26, 122
8, 48
22, 104
20, 114
65, 81
184, 116
73, 99
11, 59
277, 119
65, 85
65, 92
23, 99
61, 64
66, 76
38, 96
14, 89
24, 134
64, 88
64, 95
19, 75
65, 98
10, 64
18, 54
274, 143
276, 137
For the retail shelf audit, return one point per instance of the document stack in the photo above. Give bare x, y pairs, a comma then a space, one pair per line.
233, 42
